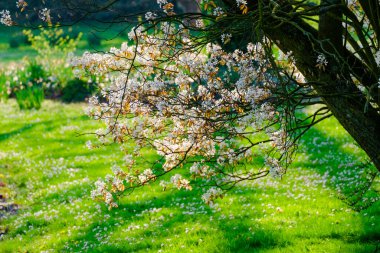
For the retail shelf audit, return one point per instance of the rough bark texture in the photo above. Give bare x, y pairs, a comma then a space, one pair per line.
349, 110
330, 29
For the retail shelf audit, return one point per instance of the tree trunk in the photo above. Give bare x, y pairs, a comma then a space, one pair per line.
364, 127
341, 95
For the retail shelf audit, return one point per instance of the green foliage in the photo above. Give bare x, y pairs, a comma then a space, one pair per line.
77, 90
54, 47
52, 42
30, 98
4, 86
35, 71
49, 71
28, 87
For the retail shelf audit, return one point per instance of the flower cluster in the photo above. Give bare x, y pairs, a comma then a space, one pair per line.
5, 18
211, 195
218, 11
209, 108
21, 4
321, 62
377, 58
180, 182
242, 4
44, 15
150, 15
225, 38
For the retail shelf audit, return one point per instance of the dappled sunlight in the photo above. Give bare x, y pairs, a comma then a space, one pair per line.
301, 210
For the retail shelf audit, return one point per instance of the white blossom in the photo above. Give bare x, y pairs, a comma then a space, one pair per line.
377, 58
146, 176
5, 18
162, 2
178, 108
150, 15
211, 195
44, 15
225, 38
218, 11
21, 4
241, 2
321, 61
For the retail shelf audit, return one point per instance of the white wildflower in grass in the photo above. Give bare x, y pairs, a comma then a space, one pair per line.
5, 18
89, 145
242, 4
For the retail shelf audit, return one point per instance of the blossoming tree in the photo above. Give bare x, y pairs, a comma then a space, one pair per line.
216, 89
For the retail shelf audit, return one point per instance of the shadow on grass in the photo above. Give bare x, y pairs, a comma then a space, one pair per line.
48, 126
327, 154
231, 236
5, 136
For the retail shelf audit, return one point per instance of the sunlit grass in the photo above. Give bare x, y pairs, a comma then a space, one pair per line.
50, 174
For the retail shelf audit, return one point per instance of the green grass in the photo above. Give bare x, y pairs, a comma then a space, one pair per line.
50, 174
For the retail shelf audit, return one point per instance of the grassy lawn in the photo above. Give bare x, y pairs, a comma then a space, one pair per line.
49, 173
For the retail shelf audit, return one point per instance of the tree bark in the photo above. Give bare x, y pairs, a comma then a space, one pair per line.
364, 127
341, 95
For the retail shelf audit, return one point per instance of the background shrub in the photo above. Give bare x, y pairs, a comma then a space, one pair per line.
28, 87
77, 90
30, 98
54, 47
